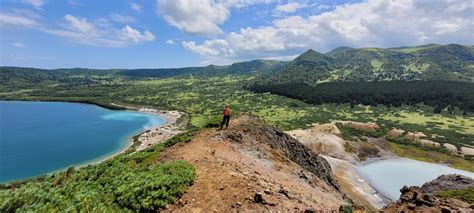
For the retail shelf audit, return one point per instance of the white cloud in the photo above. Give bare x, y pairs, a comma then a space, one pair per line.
35, 3
80, 25
194, 16
80, 30
170, 41
369, 23
282, 58
136, 7
290, 7
128, 33
211, 48
200, 16
18, 44
121, 18
26, 13
12, 19
242, 3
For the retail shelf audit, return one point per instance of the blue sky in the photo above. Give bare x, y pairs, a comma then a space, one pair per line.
179, 33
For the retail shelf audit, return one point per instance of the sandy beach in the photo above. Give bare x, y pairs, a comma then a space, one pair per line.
157, 134
149, 136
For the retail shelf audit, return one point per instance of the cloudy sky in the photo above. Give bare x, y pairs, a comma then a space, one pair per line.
177, 33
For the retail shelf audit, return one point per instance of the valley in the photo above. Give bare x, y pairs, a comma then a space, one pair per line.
235, 165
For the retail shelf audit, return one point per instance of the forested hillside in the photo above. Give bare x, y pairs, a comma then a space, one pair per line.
439, 94
247, 67
14, 78
427, 62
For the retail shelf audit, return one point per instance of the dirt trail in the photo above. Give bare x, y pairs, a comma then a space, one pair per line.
238, 166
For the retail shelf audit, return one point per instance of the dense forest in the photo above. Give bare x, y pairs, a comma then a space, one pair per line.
439, 94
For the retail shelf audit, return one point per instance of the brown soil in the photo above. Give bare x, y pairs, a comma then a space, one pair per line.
236, 166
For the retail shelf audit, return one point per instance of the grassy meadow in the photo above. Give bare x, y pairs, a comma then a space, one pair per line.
204, 97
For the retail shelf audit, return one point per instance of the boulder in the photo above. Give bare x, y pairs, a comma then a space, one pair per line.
429, 143
359, 125
327, 128
467, 151
414, 136
414, 200
395, 133
447, 182
423, 199
450, 147
258, 198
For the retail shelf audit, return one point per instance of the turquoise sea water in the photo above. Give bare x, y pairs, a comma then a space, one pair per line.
42, 137
389, 176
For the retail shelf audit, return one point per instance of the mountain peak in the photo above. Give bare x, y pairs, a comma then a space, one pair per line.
312, 56
310, 52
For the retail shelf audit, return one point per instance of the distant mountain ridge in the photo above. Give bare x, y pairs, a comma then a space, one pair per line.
338, 50
246, 67
21, 77
426, 62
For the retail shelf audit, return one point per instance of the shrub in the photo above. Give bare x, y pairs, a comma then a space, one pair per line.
466, 195
125, 183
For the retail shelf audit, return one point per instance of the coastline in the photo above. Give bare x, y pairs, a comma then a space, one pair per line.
170, 117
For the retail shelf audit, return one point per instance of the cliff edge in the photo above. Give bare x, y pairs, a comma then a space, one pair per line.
251, 166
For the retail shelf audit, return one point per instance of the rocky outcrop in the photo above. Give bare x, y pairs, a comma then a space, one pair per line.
447, 182
416, 199
450, 147
327, 128
250, 167
414, 136
323, 143
467, 151
369, 126
395, 133
293, 149
429, 143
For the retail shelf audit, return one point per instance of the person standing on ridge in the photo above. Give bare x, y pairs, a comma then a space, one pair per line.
226, 118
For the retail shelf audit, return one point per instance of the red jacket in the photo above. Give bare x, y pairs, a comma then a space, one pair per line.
226, 112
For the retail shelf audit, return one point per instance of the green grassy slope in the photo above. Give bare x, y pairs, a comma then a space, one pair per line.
427, 62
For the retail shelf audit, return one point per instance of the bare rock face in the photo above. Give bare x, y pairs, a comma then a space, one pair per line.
289, 146
413, 199
251, 167
446, 182
416, 199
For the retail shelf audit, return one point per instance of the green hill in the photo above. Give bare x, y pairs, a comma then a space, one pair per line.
427, 62
240, 68
338, 50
